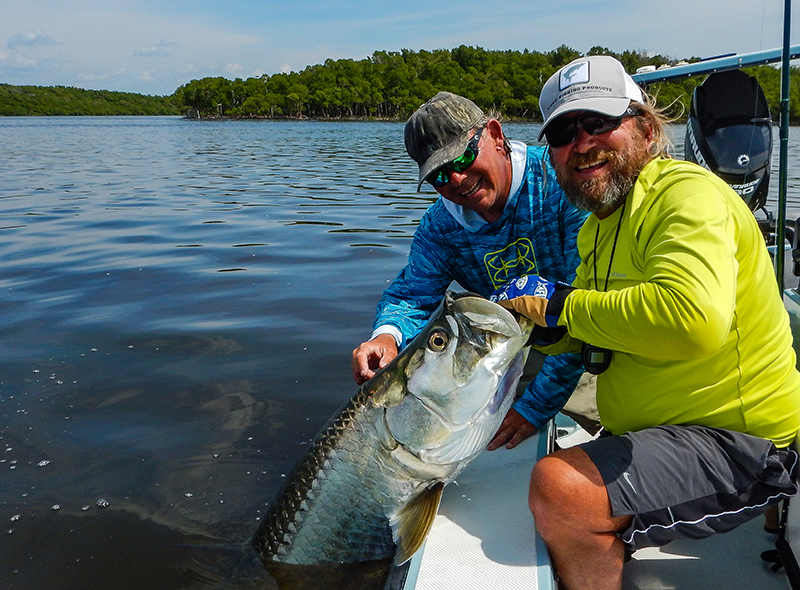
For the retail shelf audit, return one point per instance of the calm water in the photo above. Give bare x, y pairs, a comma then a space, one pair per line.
178, 303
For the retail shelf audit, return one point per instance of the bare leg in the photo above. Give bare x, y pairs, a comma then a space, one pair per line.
573, 515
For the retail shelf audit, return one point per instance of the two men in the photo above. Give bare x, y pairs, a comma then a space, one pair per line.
501, 215
674, 303
675, 299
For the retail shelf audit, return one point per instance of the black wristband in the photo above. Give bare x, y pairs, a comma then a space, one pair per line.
556, 303
541, 336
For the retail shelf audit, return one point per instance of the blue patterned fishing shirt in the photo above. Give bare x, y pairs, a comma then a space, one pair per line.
535, 235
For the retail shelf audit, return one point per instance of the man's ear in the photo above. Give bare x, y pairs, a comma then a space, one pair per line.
647, 129
496, 133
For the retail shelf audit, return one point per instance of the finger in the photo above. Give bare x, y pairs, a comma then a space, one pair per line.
361, 370
355, 363
499, 439
515, 440
358, 376
520, 435
365, 375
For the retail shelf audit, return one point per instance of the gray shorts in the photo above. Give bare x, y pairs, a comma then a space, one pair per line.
690, 481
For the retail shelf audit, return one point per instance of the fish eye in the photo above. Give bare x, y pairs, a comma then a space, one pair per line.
438, 340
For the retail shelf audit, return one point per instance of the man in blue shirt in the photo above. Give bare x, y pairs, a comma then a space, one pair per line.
501, 215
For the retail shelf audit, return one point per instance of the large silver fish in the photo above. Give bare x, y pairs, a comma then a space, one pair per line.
369, 486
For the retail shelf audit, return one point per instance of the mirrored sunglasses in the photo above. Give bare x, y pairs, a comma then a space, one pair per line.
564, 130
441, 176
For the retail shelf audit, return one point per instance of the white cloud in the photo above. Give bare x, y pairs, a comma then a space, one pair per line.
92, 40
162, 49
59, 42
19, 63
90, 77
31, 40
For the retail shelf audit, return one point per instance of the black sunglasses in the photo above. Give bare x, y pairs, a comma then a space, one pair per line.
441, 176
564, 130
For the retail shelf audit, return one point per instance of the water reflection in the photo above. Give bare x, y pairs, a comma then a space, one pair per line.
368, 575
178, 303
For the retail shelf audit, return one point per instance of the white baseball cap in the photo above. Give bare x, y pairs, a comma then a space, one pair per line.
597, 83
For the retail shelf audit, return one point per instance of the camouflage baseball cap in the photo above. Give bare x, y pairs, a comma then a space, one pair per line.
439, 130
597, 83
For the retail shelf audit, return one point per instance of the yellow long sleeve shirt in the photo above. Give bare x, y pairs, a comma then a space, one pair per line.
691, 312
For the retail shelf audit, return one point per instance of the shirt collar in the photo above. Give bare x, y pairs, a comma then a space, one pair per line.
472, 220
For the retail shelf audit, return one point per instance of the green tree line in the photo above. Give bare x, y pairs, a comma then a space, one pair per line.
391, 85
61, 100
387, 85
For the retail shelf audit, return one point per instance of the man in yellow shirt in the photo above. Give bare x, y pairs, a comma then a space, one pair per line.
676, 307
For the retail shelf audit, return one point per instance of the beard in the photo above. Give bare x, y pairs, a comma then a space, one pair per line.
605, 193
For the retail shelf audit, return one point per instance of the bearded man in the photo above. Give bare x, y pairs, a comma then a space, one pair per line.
676, 307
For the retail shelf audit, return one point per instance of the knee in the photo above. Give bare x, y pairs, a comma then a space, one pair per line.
565, 491
546, 493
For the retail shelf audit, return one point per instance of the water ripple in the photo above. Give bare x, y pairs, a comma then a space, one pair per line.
178, 303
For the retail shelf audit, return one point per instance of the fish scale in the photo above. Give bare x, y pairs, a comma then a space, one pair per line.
334, 463
367, 488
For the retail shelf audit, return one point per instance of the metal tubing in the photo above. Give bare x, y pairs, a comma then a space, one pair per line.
784, 148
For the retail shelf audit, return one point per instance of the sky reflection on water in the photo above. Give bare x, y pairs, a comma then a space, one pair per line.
178, 303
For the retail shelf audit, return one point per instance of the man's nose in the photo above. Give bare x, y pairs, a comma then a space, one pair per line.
584, 141
457, 177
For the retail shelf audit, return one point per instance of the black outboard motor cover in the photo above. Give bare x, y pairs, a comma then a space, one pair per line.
729, 131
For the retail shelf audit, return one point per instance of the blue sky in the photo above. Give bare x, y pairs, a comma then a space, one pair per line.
152, 46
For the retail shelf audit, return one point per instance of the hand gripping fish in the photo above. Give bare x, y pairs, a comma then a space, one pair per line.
369, 486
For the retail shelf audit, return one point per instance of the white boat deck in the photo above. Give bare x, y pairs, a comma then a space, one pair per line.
731, 562
484, 538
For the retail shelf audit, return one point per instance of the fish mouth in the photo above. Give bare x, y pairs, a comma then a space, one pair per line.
453, 404
471, 436
437, 412
514, 368
475, 308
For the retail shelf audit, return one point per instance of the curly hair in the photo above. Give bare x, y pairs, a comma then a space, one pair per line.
656, 119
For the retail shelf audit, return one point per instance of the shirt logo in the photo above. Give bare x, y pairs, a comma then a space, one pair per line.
627, 477
518, 258
575, 74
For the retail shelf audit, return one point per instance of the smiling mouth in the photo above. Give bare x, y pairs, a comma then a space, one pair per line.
590, 165
472, 190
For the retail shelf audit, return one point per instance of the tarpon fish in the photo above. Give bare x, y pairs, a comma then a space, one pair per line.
369, 486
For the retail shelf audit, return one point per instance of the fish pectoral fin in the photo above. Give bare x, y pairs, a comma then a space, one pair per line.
413, 523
